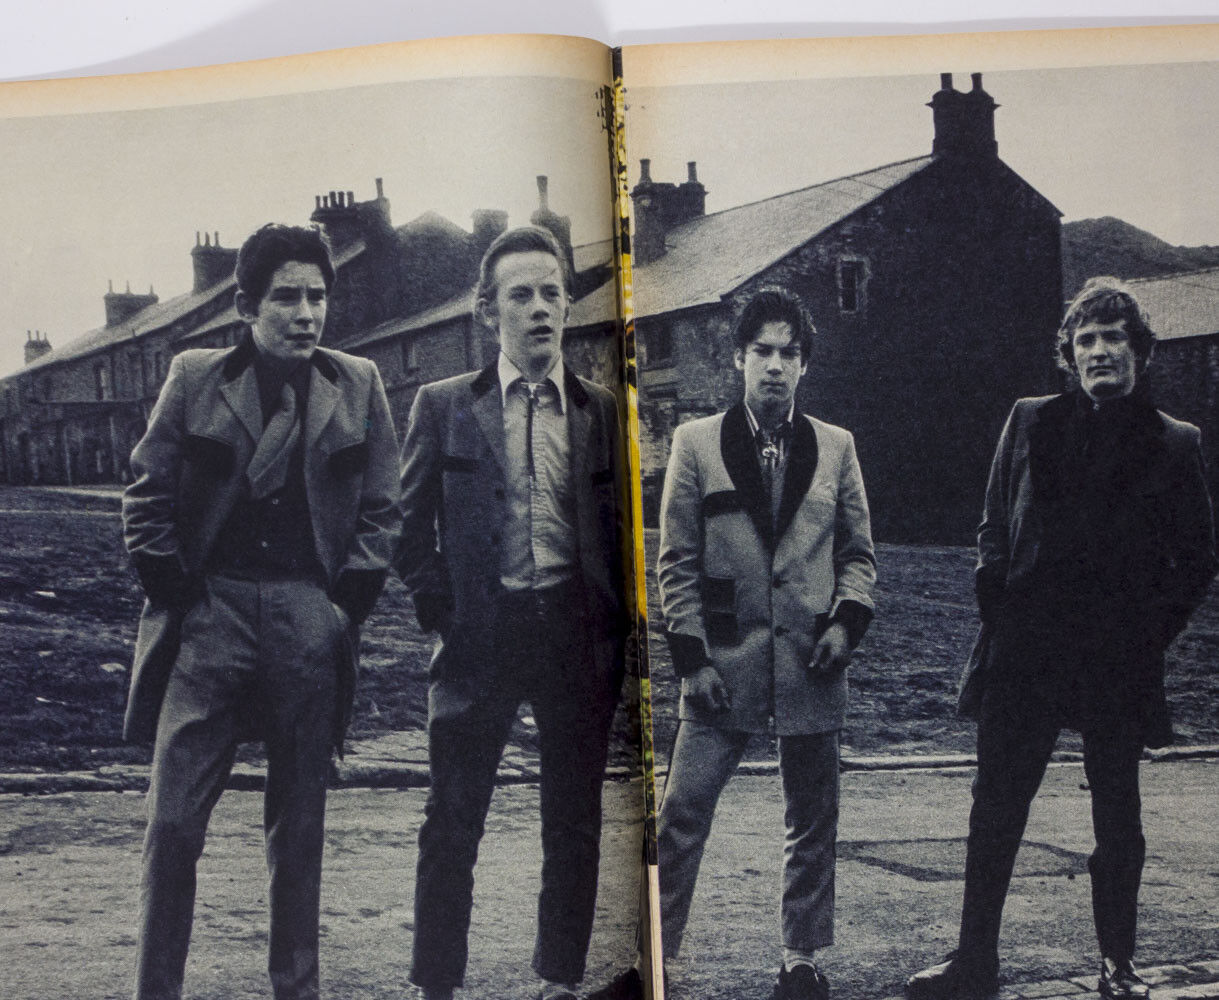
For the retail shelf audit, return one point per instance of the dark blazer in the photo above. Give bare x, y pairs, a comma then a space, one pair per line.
1160, 475
453, 495
757, 598
189, 471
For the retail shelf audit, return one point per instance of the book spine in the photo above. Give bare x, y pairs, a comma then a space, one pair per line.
616, 116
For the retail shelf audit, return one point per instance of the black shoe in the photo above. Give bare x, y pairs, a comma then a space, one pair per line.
626, 985
1119, 981
803, 982
954, 979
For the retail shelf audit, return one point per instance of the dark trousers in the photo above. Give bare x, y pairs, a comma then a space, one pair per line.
274, 648
1016, 736
543, 656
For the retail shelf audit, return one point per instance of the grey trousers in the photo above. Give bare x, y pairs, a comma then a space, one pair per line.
265, 654
704, 758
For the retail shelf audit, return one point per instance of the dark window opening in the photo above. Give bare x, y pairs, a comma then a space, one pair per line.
411, 361
105, 387
660, 346
850, 285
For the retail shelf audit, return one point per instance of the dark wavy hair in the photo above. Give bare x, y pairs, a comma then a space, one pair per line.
524, 239
1104, 300
273, 245
774, 305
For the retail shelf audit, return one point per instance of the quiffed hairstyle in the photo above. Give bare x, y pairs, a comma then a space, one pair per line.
525, 239
272, 246
1104, 300
775, 305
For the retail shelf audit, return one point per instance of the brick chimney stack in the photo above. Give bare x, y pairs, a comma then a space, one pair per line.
212, 263
488, 224
964, 121
560, 225
36, 345
121, 306
661, 207
347, 220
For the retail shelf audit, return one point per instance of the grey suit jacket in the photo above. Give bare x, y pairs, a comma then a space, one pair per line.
453, 494
757, 596
189, 472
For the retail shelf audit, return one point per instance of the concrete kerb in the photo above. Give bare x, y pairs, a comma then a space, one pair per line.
1193, 981
353, 772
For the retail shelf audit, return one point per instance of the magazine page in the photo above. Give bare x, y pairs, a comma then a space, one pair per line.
294, 414
885, 291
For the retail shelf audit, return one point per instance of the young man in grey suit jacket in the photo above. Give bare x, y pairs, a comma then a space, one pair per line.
512, 552
766, 571
261, 521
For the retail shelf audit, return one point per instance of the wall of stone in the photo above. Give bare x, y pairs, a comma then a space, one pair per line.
954, 319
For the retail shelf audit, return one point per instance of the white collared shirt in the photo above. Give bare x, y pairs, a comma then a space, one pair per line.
539, 543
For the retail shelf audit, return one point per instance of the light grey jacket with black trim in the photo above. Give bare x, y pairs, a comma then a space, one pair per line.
758, 592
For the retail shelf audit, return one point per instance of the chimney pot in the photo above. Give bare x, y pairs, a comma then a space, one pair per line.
645, 171
945, 81
692, 172
216, 238
198, 238
317, 202
543, 184
380, 190
351, 197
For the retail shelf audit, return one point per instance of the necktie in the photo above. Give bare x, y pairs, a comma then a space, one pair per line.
531, 396
268, 469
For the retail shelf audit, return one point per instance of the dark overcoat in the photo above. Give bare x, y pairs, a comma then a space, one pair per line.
1157, 483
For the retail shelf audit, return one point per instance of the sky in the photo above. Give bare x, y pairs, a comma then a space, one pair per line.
1140, 143
119, 196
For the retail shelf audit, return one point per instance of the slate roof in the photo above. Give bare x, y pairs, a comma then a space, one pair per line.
456, 307
148, 319
708, 257
599, 306
1185, 304
598, 254
160, 315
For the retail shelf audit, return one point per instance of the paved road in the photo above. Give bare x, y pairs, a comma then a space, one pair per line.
68, 867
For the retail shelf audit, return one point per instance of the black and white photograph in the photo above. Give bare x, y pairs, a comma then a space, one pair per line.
339, 660
927, 436
325, 375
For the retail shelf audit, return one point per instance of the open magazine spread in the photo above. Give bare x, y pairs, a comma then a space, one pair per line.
748, 477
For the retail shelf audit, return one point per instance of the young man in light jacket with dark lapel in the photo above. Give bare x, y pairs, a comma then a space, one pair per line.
766, 572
